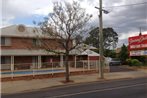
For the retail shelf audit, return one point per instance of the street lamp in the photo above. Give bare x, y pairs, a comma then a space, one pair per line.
105, 11
101, 47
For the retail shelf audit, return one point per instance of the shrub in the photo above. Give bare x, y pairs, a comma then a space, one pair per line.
129, 61
134, 62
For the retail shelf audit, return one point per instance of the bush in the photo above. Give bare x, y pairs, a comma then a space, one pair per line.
129, 61
134, 62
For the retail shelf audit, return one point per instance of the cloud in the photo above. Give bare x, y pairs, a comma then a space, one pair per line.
125, 20
43, 11
13, 9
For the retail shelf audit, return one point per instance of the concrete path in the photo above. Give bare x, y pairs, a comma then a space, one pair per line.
36, 84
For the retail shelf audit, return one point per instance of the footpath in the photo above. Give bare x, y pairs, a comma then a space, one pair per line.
12, 87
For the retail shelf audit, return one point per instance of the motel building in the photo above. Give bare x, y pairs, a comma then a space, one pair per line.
21, 50
138, 46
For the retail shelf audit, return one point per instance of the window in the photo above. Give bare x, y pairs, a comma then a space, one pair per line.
5, 63
36, 42
5, 41
5, 60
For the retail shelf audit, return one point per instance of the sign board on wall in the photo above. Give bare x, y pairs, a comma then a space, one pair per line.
138, 45
138, 53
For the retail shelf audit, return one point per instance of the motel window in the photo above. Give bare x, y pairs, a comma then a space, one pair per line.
5, 63
36, 42
5, 60
5, 41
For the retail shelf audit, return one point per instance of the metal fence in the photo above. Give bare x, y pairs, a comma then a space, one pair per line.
22, 69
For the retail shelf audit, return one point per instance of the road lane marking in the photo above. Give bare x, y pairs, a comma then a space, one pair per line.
100, 90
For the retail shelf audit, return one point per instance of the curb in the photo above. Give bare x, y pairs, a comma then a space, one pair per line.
74, 83
64, 85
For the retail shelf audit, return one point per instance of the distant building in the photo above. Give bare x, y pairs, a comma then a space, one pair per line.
118, 50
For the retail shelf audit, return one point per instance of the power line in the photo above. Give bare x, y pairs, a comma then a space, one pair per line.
127, 5
135, 4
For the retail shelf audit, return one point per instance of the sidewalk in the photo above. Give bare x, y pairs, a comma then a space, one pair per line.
36, 84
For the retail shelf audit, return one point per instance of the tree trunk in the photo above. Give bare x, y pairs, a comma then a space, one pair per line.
67, 67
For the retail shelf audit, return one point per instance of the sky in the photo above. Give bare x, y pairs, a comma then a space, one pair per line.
126, 17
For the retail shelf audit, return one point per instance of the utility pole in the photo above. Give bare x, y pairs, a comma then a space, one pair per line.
101, 40
101, 45
140, 32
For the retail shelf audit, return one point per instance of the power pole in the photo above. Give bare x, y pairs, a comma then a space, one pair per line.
101, 44
140, 32
101, 41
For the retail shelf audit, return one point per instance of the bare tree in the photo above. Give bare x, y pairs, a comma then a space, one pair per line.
67, 23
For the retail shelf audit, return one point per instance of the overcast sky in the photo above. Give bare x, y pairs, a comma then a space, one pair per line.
126, 20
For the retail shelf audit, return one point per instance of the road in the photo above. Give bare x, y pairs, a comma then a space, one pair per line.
124, 88
121, 68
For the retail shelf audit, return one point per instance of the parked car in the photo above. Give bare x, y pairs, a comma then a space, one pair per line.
115, 61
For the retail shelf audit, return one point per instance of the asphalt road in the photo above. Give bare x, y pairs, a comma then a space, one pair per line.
126, 88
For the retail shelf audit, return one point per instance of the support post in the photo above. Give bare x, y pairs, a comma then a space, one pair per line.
88, 64
61, 60
75, 61
96, 62
12, 65
101, 40
39, 61
83, 66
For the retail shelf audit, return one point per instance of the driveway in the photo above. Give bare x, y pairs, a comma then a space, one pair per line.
121, 68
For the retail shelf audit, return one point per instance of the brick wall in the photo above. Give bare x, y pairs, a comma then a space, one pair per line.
27, 43
93, 58
22, 59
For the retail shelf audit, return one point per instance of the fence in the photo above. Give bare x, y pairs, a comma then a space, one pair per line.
47, 68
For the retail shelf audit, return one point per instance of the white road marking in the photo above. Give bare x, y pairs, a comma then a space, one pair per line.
100, 90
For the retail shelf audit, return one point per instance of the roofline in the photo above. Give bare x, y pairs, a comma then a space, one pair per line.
44, 36
12, 36
17, 25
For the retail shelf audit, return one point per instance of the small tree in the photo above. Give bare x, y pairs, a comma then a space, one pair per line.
123, 55
66, 23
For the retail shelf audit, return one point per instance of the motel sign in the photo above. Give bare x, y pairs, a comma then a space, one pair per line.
138, 45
